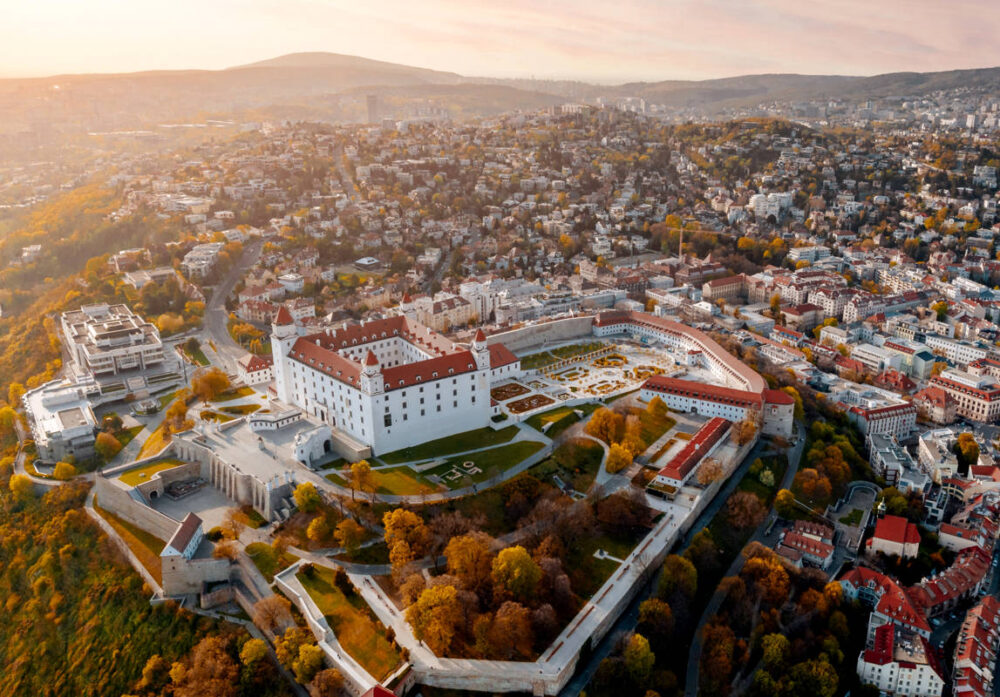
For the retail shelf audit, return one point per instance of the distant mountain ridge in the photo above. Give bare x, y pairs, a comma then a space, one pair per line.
332, 86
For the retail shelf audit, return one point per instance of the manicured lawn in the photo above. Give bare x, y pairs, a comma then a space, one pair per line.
241, 409
146, 547
653, 426
490, 462
852, 518
353, 622
470, 440
576, 462
374, 554
197, 356
587, 573
537, 360
138, 475
401, 481
127, 435
266, 561
155, 443
230, 395
561, 418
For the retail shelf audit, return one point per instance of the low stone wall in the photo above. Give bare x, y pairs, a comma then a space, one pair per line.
117, 500
536, 334
187, 576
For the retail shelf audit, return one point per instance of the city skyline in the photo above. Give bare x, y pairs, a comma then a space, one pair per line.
699, 40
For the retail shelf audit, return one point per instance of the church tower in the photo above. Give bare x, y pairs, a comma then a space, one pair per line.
283, 336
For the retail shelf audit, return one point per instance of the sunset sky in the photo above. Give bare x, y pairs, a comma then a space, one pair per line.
580, 39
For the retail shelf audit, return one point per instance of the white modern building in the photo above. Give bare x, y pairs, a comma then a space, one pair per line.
900, 665
62, 422
109, 339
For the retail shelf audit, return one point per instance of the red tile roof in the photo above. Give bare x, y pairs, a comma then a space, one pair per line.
897, 529
698, 390
695, 450
284, 317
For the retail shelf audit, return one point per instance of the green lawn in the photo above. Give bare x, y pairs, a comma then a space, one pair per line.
197, 356
230, 395
210, 415
127, 435
267, 561
587, 573
490, 462
460, 442
576, 461
145, 546
353, 622
373, 554
138, 475
852, 518
401, 481
654, 426
241, 409
561, 418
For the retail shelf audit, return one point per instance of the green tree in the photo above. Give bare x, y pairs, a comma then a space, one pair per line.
679, 579
775, 649
308, 663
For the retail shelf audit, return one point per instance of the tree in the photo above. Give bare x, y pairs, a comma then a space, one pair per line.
327, 683
406, 526
510, 633
639, 659
253, 651
967, 450
745, 510
619, 457
470, 559
605, 425
435, 617
784, 504
632, 439
308, 663
349, 535
63, 471
362, 479
22, 488
272, 612
212, 671
679, 579
709, 471
775, 651
106, 446
318, 529
775, 304
814, 678
657, 407
8, 418
209, 384
515, 573
656, 621
799, 409
155, 674
306, 497
234, 522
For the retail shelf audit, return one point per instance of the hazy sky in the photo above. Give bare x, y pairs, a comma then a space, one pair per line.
606, 40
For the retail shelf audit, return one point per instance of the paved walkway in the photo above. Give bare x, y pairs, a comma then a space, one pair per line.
694, 655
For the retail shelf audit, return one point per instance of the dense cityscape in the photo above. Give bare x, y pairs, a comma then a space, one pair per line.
613, 393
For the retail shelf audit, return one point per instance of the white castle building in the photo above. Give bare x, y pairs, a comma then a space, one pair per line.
389, 383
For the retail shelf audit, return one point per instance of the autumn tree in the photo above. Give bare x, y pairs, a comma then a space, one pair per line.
509, 635
657, 408
632, 438
308, 663
349, 535
209, 384
679, 581
515, 573
656, 622
639, 659
784, 504
318, 529
812, 486
63, 471
362, 479
435, 617
327, 683
745, 510
775, 649
709, 471
22, 488
234, 522
307, 499
470, 559
406, 526
106, 446
272, 612
619, 458
212, 671
253, 651
605, 425
967, 450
